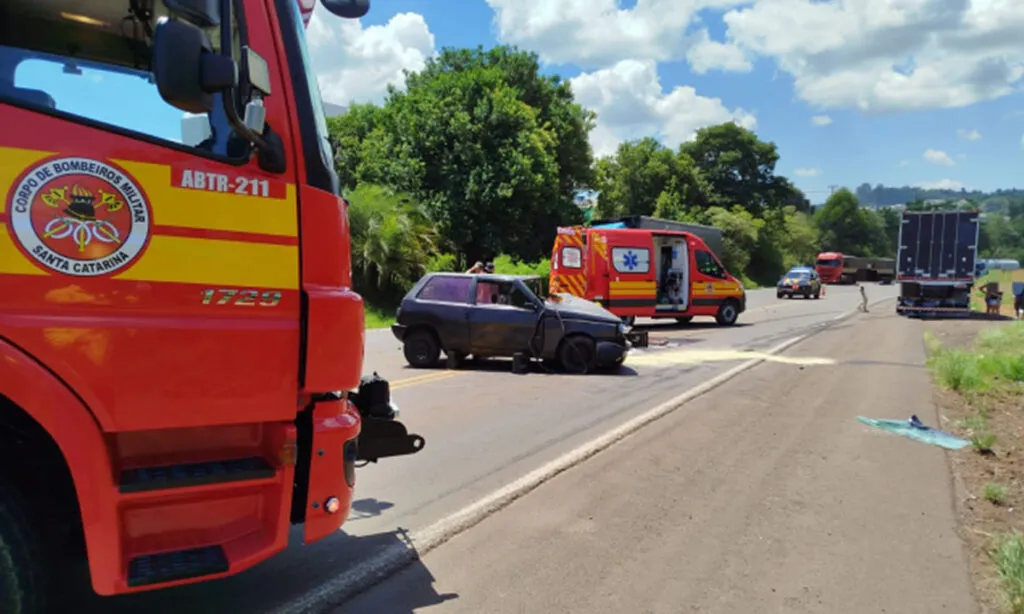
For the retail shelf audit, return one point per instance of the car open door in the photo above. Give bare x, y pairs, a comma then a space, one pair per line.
504, 326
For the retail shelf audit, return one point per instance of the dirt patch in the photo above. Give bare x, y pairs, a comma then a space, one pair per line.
988, 410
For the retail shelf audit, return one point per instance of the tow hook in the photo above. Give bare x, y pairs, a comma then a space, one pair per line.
382, 435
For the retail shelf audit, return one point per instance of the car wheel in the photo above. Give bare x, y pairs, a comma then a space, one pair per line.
727, 313
23, 570
629, 321
684, 319
421, 349
778, 295
817, 295
577, 354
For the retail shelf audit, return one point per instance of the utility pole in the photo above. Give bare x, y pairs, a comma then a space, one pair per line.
832, 189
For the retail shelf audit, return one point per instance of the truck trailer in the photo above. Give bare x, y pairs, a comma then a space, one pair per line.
839, 268
936, 262
181, 349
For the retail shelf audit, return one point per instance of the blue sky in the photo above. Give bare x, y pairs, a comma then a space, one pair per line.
918, 92
906, 92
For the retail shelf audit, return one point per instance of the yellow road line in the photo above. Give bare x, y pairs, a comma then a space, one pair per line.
423, 379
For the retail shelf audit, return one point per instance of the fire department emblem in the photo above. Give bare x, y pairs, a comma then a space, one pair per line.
79, 216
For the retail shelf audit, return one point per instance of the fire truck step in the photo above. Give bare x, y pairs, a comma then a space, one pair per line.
194, 474
170, 566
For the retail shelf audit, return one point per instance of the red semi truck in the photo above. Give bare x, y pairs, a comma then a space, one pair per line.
180, 346
839, 268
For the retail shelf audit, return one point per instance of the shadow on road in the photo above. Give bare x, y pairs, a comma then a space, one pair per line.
368, 508
299, 572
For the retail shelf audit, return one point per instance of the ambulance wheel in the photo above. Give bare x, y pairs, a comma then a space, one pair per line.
421, 349
727, 313
684, 319
629, 321
577, 354
23, 572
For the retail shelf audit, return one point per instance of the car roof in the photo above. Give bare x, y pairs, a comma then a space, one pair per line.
801, 268
486, 276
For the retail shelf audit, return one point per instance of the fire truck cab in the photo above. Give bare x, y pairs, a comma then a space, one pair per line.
180, 347
640, 272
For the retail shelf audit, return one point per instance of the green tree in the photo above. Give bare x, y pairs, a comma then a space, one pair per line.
741, 168
491, 147
393, 242
646, 178
348, 132
847, 227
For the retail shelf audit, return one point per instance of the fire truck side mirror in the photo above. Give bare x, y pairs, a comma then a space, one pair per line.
186, 70
203, 13
347, 9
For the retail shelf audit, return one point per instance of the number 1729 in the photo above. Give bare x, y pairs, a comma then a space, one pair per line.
244, 298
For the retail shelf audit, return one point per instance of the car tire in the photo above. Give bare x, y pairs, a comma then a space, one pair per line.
684, 319
24, 572
421, 349
577, 354
728, 313
779, 295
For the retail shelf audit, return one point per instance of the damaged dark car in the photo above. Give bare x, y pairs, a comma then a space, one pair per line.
490, 315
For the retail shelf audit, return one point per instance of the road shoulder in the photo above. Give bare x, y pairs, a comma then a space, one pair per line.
764, 495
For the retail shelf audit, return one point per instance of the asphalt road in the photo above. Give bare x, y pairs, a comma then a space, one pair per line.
486, 427
765, 495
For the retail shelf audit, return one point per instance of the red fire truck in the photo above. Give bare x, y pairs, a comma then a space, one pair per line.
180, 347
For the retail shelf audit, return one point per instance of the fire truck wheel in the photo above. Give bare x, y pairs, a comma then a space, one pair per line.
727, 313
22, 568
577, 354
421, 349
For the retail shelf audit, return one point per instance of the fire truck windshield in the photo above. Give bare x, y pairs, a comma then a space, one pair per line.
307, 80
828, 262
90, 62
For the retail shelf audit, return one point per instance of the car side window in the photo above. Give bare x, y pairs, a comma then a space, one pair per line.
516, 297
446, 289
707, 264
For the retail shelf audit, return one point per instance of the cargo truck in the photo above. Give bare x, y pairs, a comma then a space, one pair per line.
181, 349
839, 268
936, 262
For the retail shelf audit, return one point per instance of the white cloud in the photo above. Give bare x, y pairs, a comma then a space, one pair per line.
597, 33
821, 120
941, 184
969, 135
936, 156
707, 54
631, 104
356, 64
888, 55
806, 172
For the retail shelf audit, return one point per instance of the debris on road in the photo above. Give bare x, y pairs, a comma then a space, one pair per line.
918, 431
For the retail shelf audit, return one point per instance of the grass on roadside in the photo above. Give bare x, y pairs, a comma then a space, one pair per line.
996, 361
988, 379
1008, 558
378, 317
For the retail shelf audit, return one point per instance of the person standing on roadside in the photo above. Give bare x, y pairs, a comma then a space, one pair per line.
476, 269
863, 299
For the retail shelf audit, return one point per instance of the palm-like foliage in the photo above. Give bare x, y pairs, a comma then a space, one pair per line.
393, 241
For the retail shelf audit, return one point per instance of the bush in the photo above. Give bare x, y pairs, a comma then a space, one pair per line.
506, 266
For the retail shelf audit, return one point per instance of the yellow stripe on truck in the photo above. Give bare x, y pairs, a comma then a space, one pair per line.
214, 261
633, 285
12, 261
13, 163
187, 208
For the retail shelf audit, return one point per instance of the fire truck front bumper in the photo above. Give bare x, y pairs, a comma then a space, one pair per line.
381, 435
